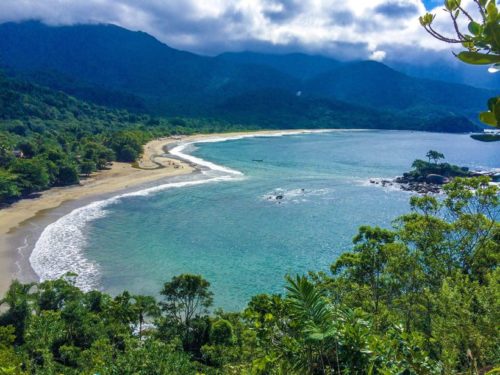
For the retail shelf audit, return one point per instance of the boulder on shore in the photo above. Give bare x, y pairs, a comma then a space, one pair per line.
436, 179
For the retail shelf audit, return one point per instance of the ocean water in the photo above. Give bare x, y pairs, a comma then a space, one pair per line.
225, 222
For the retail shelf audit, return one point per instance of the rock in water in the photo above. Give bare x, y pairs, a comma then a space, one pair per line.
436, 179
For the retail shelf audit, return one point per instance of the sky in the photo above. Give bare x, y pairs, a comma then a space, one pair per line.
345, 29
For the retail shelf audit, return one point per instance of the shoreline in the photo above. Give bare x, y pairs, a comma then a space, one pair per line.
19, 220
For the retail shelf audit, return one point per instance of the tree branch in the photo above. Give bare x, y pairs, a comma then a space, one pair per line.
481, 10
455, 26
436, 35
466, 14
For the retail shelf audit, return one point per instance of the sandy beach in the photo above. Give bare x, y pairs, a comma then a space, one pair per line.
120, 176
153, 165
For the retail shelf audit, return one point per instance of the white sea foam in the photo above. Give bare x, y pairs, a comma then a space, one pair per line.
178, 150
281, 195
376, 182
59, 249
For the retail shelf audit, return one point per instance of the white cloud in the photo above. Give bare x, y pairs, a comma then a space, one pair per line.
354, 28
378, 55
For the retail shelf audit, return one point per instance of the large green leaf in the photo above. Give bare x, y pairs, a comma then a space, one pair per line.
488, 118
477, 58
492, 11
475, 28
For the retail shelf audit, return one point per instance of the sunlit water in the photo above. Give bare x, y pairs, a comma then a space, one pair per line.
231, 229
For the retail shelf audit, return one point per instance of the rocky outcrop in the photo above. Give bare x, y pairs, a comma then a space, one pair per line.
421, 187
436, 179
432, 183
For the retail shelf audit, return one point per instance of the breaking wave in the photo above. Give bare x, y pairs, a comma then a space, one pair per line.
60, 247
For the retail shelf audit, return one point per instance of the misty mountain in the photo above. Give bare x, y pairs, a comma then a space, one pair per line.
297, 65
115, 67
451, 70
376, 85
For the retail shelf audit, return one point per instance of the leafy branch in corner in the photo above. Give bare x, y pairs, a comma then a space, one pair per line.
481, 41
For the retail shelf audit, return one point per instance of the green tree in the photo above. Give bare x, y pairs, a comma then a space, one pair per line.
87, 167
186, 296
8, 186
434, 155
122, 309
221, 349
127, 145
221, 332
18, 311
127, 154
465, 322
31, 174
186, 301
366, 264
10, 361
315, 319
144, 306
67, 175
6, 155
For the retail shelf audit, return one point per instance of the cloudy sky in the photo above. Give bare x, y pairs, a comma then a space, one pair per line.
376, 29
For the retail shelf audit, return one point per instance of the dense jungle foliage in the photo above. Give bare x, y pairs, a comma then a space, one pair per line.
48, 138
421, 297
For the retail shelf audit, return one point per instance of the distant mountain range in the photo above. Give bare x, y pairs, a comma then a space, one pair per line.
449, 69
115, 67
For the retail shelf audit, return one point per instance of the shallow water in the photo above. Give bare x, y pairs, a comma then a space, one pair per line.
231, 229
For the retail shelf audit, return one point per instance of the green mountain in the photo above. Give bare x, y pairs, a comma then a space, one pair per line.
297, 65
115, 67
370, 83
376, 85
110, 58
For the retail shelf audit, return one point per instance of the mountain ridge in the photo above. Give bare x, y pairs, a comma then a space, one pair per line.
112, 66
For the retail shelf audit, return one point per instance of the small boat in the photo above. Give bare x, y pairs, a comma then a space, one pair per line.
258, 160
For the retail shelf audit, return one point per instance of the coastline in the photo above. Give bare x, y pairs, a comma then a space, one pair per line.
155, 164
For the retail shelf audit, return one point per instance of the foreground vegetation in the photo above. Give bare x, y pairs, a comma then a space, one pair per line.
419, 298
50, 139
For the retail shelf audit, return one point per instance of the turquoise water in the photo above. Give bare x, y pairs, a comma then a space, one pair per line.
242, 241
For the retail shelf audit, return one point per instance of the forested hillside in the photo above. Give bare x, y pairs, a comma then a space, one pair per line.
112, 66
48, 138
279, 109
378, 86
